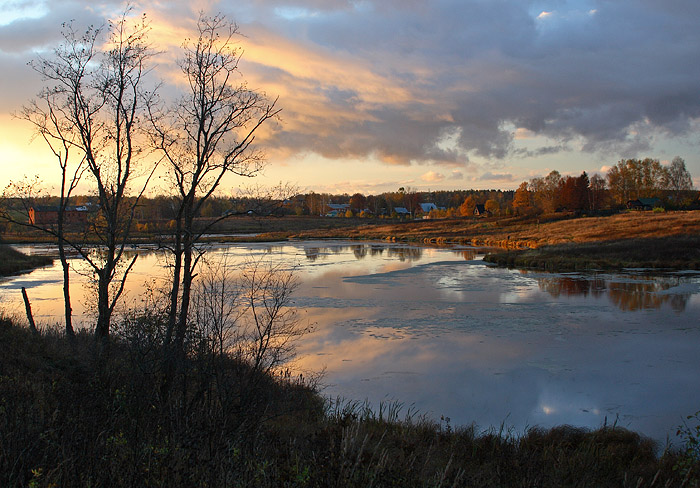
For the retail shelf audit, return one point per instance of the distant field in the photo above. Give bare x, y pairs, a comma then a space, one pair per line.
529, 232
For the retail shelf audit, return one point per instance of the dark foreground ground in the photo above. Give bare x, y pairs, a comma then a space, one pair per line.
79, 414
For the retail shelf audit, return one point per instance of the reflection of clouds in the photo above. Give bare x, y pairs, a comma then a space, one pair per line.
472, 342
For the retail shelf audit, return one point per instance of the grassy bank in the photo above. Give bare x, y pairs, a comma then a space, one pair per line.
557, 242
673, 252
14, 262
71, 415
634, 239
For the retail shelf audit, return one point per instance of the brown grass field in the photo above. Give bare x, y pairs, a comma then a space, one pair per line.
634, 239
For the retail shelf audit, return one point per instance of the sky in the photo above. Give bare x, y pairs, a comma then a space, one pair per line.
431, 95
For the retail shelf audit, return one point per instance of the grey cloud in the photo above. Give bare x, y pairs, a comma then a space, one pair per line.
611, 80
593, 76
497, 177
540, 151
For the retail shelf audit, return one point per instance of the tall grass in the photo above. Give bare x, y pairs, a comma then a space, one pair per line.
73, 413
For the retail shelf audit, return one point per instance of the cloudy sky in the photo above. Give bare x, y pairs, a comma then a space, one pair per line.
441, 94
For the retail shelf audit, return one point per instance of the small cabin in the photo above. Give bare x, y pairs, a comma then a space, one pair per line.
480, 211
643, 204
402, 211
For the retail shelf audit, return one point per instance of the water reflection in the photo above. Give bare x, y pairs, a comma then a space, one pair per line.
627, 292
361, 251
403, 253
438, 328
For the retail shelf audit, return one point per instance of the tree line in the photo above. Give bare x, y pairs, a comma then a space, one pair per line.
628, 180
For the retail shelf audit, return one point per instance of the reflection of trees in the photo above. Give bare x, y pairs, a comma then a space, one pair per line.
406, 253
568, 286
361, 251
638, 294
376, 251
468, 254
312, 253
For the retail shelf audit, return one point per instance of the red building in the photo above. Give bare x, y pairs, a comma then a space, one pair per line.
48, 215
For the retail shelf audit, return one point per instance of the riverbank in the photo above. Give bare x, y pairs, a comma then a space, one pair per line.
679, 252
14, 262
74, 416
557, 242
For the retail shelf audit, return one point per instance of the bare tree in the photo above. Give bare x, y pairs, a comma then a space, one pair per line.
46, 115
207, 135
677, 179
94, 102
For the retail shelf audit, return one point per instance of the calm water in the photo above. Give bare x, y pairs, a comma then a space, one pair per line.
441, 331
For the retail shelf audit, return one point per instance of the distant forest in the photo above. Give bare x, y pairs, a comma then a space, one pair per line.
669, 187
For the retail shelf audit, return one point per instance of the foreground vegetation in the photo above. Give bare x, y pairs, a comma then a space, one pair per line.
74, 413
13, 262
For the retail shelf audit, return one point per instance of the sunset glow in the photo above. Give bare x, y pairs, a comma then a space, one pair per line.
381, 95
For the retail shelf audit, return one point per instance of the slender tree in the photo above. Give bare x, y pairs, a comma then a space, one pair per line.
521, 200
94, 102
207, 135
677, 179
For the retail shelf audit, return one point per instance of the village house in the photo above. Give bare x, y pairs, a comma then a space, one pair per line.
644, 203
337, 209
480, 211
402, 211
48, 215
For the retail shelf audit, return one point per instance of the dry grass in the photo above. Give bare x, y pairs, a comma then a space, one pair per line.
14, 262
672, 252
71, 415
531, 232
558, 242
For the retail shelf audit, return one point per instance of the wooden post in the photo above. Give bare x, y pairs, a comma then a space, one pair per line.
28, 309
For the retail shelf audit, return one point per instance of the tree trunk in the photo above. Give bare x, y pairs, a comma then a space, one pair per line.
28, 309
103, 311
66, 285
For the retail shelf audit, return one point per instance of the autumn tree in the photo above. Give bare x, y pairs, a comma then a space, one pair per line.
575, 193
207, 135
312, 202
411, 199
545, 192
521, 199
677, 179
492, 206
358, 202
598, 193
635, 178
467, 207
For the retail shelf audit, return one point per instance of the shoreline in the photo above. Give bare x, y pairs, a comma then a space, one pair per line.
557, 242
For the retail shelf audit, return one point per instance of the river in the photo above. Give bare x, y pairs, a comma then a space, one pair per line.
441, 332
